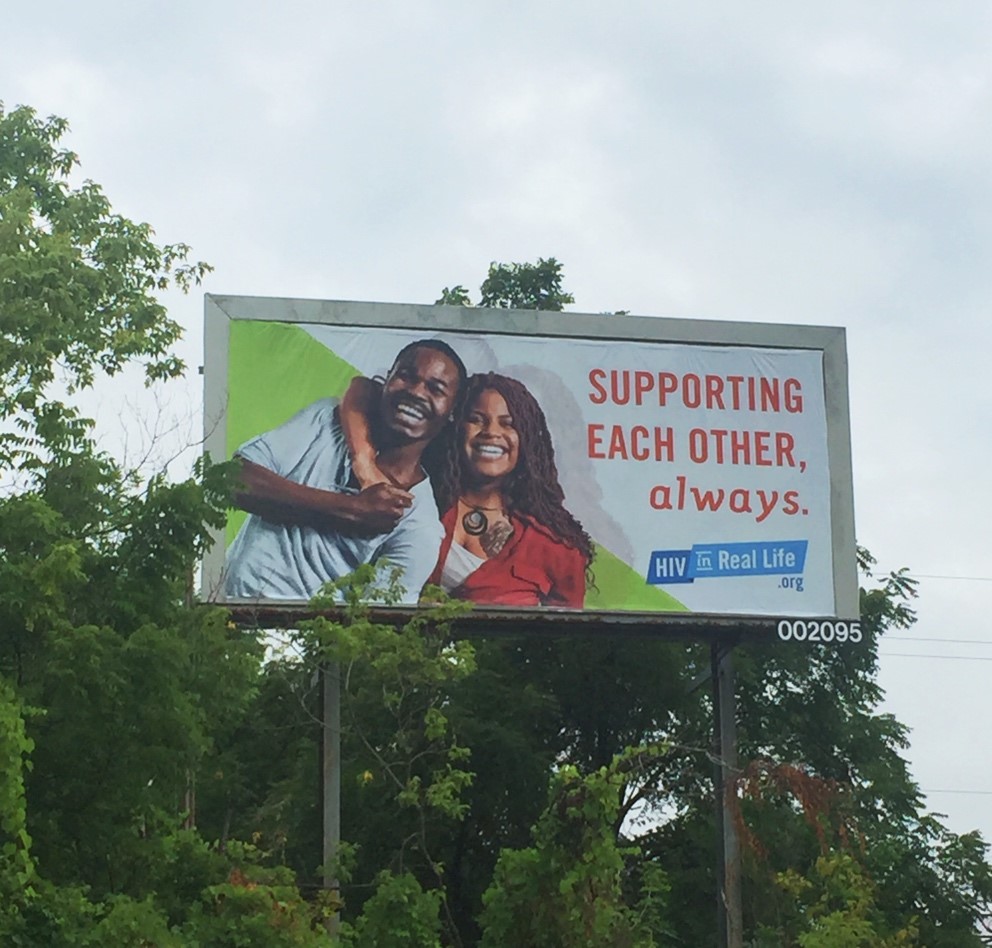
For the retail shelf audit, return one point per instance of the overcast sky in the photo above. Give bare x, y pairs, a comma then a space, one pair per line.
771, 161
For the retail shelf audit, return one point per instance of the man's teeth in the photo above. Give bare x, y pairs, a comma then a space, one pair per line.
411, 411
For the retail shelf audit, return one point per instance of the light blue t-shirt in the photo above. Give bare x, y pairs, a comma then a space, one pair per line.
284, 562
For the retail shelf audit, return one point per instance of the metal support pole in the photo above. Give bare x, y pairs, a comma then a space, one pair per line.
730, 925
721, 914
330, 768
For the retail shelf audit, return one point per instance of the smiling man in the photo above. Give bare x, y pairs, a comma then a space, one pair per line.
308, 520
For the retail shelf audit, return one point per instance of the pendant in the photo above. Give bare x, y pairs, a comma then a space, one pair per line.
475, 523
494, 539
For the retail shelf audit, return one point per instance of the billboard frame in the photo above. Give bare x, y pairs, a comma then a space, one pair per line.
221, 310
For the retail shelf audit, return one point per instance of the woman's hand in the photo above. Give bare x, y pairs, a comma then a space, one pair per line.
366, 470
354, 412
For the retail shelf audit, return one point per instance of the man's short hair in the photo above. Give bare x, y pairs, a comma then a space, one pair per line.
437, 345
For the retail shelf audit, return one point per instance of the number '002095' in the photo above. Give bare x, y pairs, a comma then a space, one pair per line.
819, 630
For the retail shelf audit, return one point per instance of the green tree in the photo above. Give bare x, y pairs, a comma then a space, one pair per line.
566, 890
516, 286
407, 769
78, 287
115, 694
17, 870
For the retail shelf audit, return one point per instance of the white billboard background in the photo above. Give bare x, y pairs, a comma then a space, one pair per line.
632, 507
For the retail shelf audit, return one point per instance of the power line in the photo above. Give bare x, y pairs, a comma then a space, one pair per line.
921, 638
980, 793
971, 579
880, 573
952, 658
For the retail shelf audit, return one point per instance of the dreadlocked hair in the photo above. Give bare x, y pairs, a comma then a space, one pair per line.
532, 489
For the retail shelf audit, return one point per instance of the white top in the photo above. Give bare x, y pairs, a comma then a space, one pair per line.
459, 564
270, 560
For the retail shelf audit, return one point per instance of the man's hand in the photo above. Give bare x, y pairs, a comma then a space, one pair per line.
377, 509
374, 511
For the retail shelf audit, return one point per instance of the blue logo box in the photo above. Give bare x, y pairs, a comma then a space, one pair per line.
705, 560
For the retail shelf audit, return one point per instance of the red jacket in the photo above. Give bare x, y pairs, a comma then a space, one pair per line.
533, 569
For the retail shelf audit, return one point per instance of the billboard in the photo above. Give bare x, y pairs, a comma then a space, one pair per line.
530, 462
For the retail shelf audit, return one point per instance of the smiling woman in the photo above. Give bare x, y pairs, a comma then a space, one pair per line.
490, 439
508, 539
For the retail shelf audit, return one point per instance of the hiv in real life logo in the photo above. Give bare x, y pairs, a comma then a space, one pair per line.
715, 560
